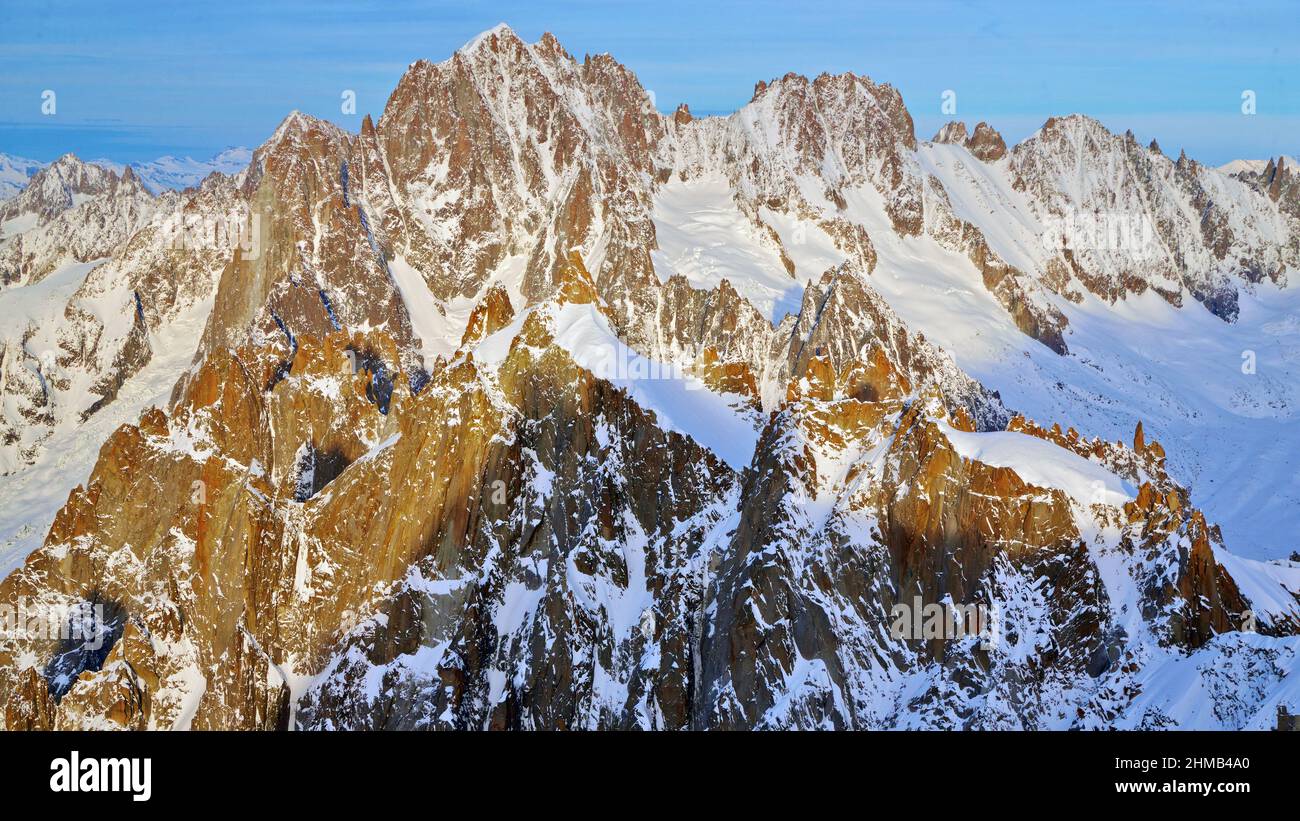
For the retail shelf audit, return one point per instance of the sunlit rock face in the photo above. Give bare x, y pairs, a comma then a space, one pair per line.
529, 406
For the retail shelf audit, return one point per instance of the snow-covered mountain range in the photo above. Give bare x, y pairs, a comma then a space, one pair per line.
162, 174
530, 406
14, 174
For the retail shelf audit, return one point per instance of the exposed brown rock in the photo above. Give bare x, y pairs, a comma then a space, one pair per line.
490, 315
986, 144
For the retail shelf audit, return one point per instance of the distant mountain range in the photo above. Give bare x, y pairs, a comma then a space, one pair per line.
167, 172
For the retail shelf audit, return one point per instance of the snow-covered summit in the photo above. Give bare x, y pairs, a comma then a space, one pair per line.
1238, 166
499, 31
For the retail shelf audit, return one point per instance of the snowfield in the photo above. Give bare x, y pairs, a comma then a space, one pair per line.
679, 401
1039, 462
704, 237
31, 495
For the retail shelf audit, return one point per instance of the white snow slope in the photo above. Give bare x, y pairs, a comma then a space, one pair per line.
30, 497
14, 174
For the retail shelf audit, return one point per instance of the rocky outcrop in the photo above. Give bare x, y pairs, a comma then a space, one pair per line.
491, 314
952, 133
1280, 181
984, 143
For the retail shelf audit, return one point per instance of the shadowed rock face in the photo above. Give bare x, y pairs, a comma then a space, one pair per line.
939, 527
336, 523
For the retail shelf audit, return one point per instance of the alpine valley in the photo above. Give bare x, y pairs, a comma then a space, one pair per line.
529, 406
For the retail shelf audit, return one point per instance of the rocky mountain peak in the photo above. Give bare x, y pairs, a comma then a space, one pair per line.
986, 143
952, 133
297, 139
1281, 180
297, 128
496, 39
60, 186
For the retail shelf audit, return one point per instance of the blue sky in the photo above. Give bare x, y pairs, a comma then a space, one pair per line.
135, 80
